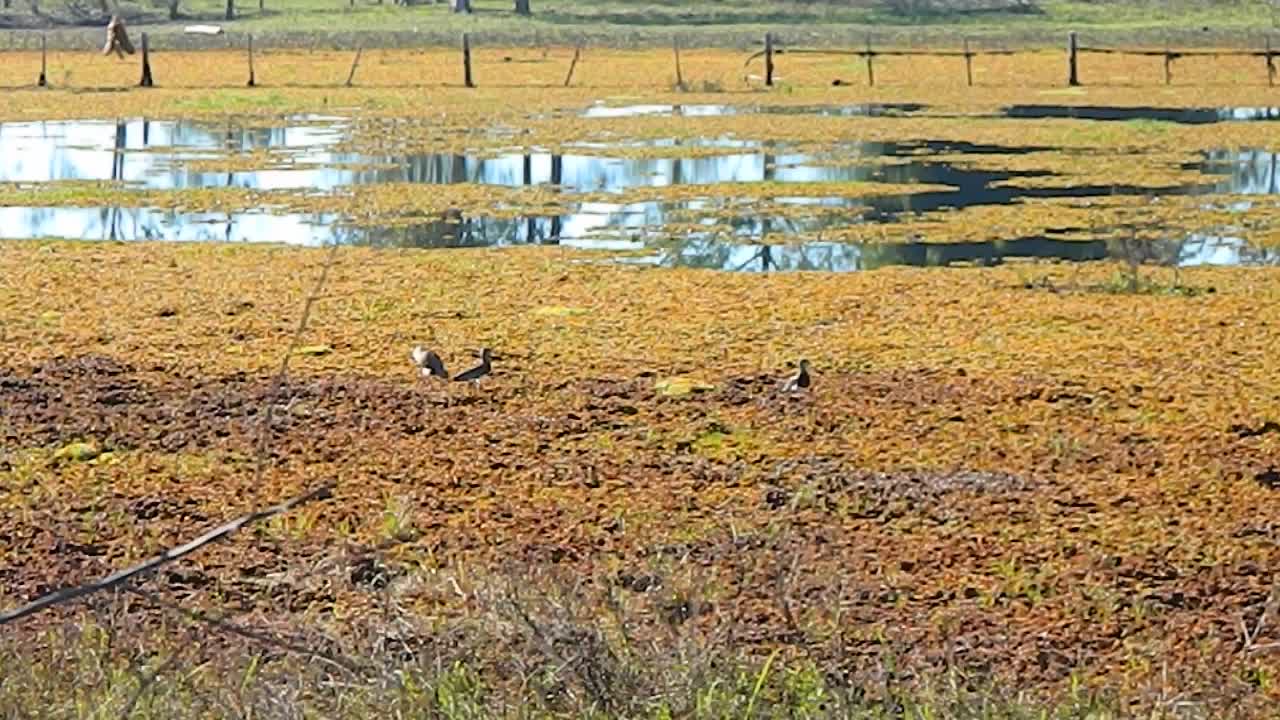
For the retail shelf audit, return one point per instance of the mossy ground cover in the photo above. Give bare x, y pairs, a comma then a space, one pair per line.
1056, 479
999, 470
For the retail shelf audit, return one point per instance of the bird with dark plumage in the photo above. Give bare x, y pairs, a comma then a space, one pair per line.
800, 381
479, 371
428, 362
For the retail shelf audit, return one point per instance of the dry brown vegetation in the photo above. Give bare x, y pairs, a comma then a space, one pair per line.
1052, 481
1021, 484
522, 80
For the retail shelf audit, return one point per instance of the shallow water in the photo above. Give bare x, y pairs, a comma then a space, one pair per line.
306, 156
1193, 251
710, 250
601, 110
1184, 115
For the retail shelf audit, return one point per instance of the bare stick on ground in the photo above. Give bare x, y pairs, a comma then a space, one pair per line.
115, 579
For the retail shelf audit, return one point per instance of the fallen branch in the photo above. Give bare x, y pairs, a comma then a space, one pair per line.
59, 597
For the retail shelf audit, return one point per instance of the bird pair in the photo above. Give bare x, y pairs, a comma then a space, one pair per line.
430, 365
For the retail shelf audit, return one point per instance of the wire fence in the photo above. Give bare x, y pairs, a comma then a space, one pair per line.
772, 60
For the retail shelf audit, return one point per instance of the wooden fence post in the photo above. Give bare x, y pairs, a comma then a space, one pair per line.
968, 63
577, 50
1271, 64
1168, 65
871, 71
44, 67
355, 63
768, 59
1073, 75
146, 80
675, 45
466, 60
252, 80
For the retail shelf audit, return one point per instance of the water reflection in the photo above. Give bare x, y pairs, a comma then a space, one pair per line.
154, 155
1185, 116
148, 153
714, 250
305, 155
133, 224
601, 110
848, 257
1247, 172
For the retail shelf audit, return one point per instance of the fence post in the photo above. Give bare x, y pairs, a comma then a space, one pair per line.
1168, 66
355, 63
466, 60
1073, 76
44, 76
675, 45
871, 72
252, 80
577, 50
768, 59
1271, 64
146, 80
968, 63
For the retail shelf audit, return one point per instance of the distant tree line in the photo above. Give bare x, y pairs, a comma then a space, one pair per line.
94, 11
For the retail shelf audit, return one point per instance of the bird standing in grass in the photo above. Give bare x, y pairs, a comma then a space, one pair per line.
474, 374
799, 381
428, 362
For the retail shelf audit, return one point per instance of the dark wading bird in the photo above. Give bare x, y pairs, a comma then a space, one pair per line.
428, 362
799, 381
474, 374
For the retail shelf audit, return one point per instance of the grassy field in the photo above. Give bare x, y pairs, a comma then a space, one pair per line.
1064, 504
1040, 490
708, 24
